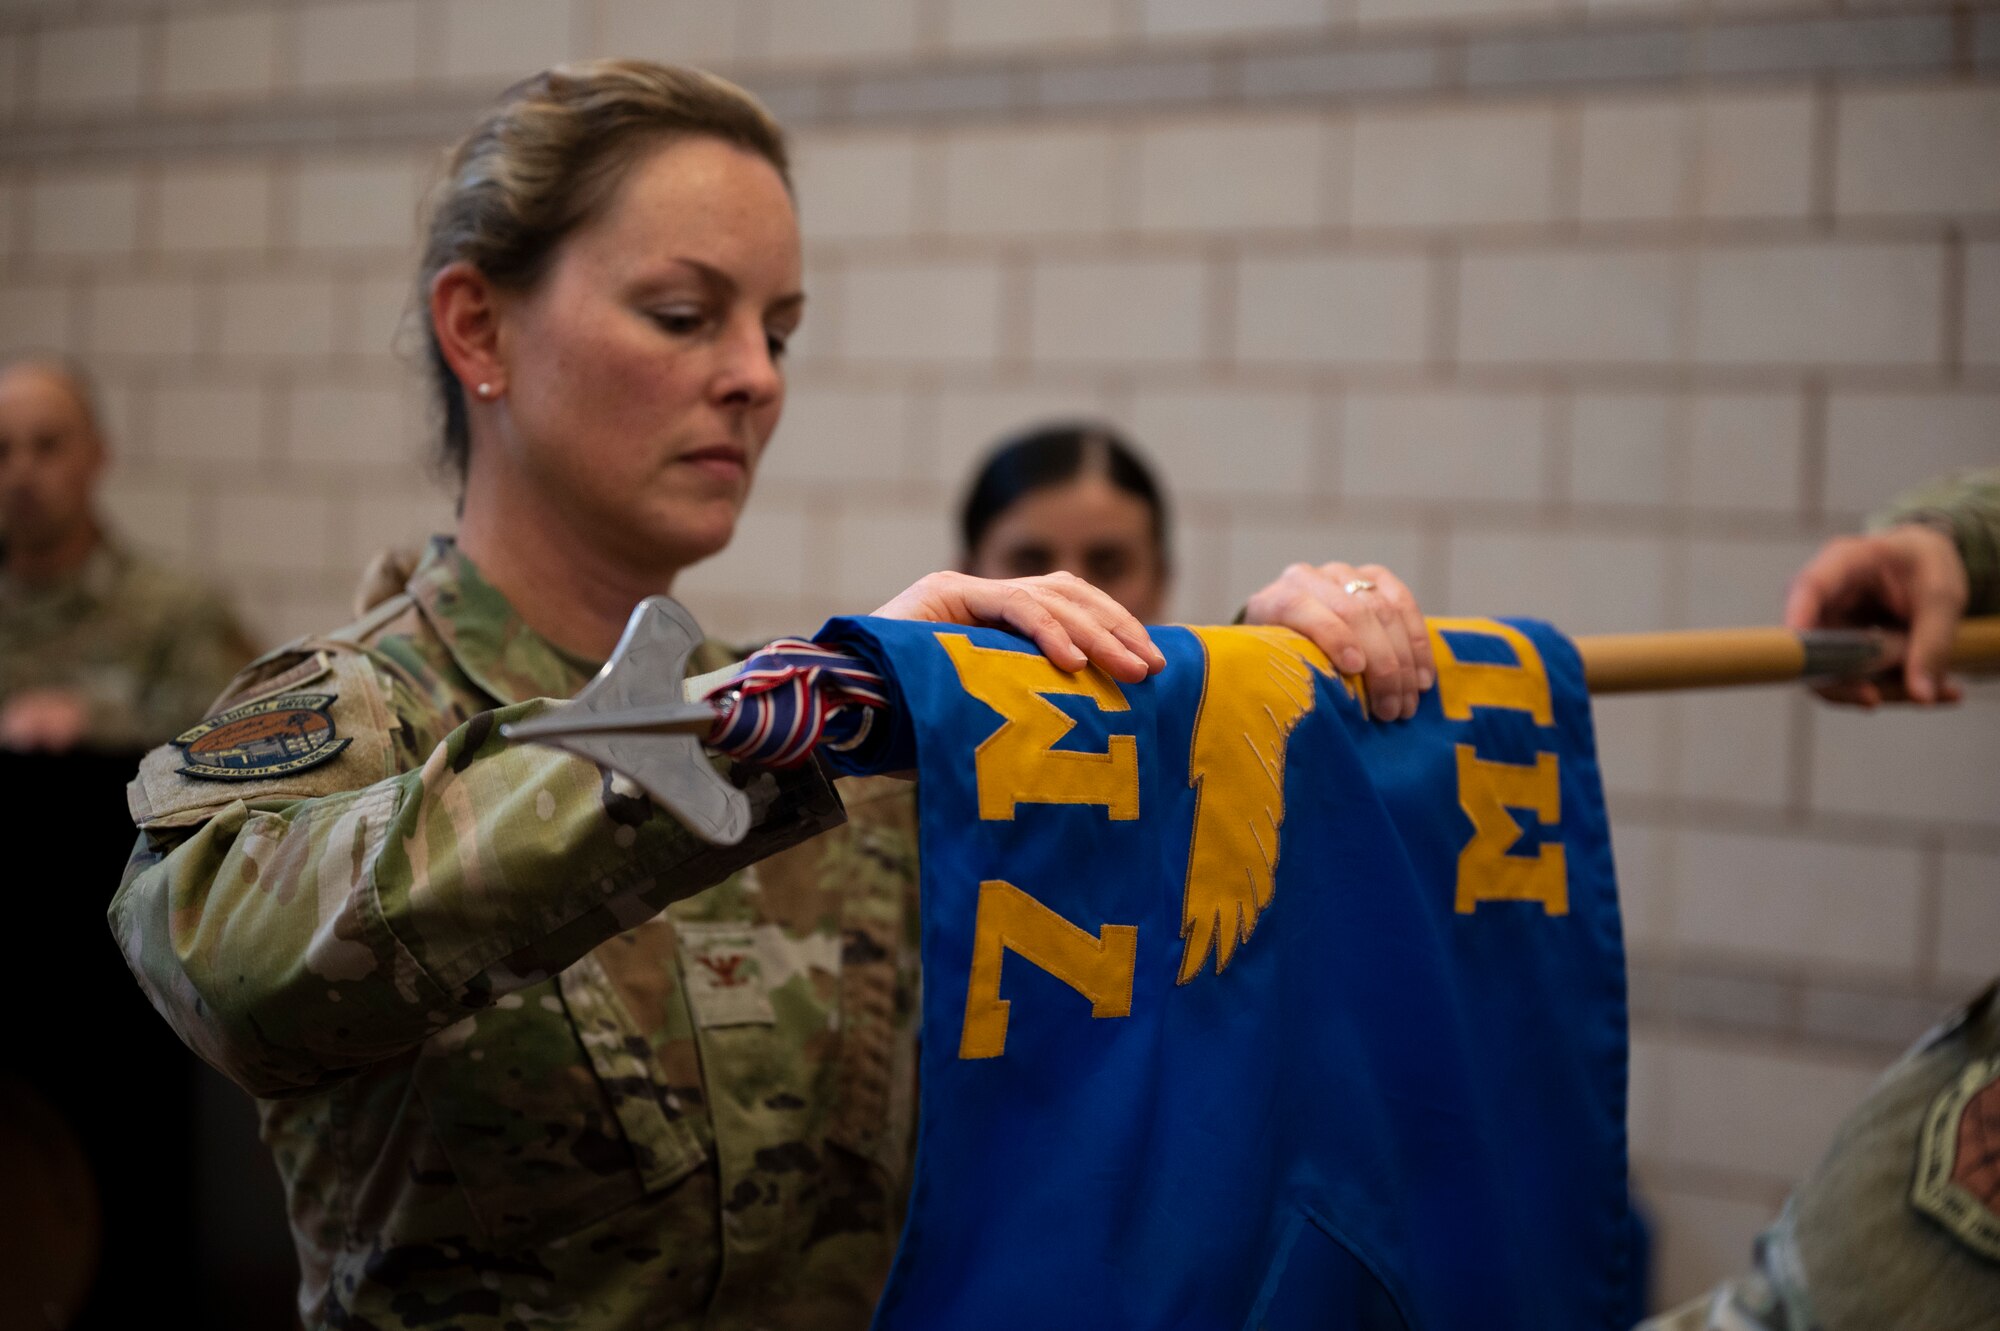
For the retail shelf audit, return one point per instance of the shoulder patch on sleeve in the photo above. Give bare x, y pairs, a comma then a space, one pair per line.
274, 736
318, 726
1957, 1179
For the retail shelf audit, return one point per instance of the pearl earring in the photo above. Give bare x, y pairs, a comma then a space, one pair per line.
486, 390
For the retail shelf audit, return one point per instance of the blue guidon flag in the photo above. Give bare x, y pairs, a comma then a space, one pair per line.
262, 739
1244, 1011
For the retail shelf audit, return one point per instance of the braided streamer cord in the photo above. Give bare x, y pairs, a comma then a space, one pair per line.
791, 698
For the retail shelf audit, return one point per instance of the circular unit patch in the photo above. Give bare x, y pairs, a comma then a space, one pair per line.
1958, 1160
267, 738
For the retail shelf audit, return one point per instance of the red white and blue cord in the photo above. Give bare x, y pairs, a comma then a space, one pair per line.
793, 697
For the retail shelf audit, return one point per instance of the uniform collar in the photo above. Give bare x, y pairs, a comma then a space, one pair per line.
485, 635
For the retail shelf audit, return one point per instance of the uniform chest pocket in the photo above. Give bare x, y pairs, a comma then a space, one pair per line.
552, 1111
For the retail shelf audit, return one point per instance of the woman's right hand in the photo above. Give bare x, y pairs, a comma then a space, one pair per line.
1073, 623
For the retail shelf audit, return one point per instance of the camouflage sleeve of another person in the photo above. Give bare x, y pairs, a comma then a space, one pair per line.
291, 942
195, 662
193, 659
193, 650
1968, 506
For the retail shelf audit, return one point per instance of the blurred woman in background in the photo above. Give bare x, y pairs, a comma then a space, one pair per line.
1075, 497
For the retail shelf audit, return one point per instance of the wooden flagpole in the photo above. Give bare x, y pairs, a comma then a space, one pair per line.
1717, 658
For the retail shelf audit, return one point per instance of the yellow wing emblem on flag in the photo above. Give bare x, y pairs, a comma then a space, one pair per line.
1256, 688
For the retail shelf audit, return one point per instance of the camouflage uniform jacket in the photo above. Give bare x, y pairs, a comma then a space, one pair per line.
1967, 507
505, 1089
146, 646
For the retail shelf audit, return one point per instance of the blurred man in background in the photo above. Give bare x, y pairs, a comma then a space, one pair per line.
102, 655
99, 649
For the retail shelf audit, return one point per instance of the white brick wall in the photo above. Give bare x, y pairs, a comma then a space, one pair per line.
215, 57
84, 214
1877, 443
1444, 446
206, 421
1336, 309
1454, 168
275, 528
1757, 156
1519, 306
1753, 1112
357, 203
1741, 580
1571, 306
701, 32
269, 317
1734, 745
350, 424
1982, 304
1112, 311
1745, 451
154, 318
967, 422
382, 305
922, 311
834, 434
1623, 449
1817, 304
352, 44
1931, 766
1587, 584
977, 25
1255, 553
854, 187
13, 75
809, 31
38, 316
497, 41
1922, 151
1403, 11
1230, 443
1180, 17
1031, 182
1241, 176
1969, 920
93, 68
1798, 901
1637, 159
216, 206
1699, 1235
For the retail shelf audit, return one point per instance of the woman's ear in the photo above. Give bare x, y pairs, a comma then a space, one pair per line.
465, 314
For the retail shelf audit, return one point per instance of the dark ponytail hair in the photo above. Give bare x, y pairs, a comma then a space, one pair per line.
1051, 455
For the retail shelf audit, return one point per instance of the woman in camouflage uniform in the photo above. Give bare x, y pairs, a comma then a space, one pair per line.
517, 1068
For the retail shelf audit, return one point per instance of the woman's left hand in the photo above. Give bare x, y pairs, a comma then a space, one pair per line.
1072, 622
1364, 619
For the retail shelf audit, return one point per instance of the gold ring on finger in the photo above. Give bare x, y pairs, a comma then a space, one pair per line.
1358, 585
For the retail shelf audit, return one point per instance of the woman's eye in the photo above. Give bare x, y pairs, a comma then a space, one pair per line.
679, 322
1107, 565
775, 342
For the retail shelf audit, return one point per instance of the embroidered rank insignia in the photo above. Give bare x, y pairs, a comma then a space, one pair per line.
262, 739
724, 975
1958, 1159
